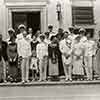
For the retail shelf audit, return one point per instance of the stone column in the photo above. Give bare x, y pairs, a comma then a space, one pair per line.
44, 19
3, 17
97, 17
67, 13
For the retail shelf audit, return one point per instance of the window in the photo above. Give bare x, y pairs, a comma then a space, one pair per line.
82, 15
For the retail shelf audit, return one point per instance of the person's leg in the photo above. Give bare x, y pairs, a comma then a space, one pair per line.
41, 69
70, 72
45, 68
23, 69
86, 67
4, 70
65, 69
33, 75
27, 69
90, 68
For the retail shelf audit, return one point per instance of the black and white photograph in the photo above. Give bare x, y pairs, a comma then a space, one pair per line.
49, 49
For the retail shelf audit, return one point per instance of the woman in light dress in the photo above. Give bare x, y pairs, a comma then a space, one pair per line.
98, 57
78, 53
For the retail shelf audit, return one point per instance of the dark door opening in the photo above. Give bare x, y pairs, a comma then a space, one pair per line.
30, 19
91, 31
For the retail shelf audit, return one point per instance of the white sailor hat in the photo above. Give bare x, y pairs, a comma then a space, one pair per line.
71, 27
82, 30
21, 26
11, 30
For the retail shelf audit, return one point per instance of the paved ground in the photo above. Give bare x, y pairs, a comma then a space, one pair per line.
59, 92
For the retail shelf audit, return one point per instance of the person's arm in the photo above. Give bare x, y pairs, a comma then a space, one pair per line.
61, 47
5, 56
94, 48
37, 50
19, 50
49, 51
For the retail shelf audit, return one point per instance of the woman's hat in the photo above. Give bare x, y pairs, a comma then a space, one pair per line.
82, 30
50, 26
21, 26
11, 30
42, 36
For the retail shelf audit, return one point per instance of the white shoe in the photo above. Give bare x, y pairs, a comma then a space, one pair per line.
66, 79
70, 80
23, 82
40, 80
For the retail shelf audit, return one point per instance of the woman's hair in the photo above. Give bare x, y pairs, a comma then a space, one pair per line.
46, 33
78, 38
42, 36
52, 37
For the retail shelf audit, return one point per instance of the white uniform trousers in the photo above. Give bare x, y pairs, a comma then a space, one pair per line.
25, 69
43, 68
89, 67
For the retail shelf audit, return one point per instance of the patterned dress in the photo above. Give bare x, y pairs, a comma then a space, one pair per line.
12, 60
53, 59
3, 58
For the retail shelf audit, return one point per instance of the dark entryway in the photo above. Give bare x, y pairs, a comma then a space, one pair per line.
30, 19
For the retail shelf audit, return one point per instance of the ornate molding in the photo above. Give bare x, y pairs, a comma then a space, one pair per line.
23, 4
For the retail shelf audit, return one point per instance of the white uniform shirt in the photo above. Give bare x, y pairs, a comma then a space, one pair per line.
65, 50
29, 36
42, 50
47, 41
72, 37
89, 47
83, 39
24, 48
19, 37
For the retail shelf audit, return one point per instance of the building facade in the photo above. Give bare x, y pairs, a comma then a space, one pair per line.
38, 14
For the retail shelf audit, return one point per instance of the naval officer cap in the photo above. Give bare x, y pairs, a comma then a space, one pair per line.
82, 30
72, 27
11, 30
21, 26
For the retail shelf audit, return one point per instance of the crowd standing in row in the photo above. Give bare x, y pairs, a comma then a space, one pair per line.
47, 56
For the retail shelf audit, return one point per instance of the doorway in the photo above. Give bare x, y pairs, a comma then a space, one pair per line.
29, 19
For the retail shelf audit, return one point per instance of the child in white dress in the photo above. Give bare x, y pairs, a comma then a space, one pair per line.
34, 66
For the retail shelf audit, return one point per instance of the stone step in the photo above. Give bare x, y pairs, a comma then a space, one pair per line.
48, 83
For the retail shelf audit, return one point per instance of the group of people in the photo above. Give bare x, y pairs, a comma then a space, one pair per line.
47, 56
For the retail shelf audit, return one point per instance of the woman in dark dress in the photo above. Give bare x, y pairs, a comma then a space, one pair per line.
12, 59
53, 50
60, 64
3, 59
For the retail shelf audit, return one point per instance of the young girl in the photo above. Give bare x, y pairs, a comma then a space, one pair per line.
42, 55
34, 65
78, 53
